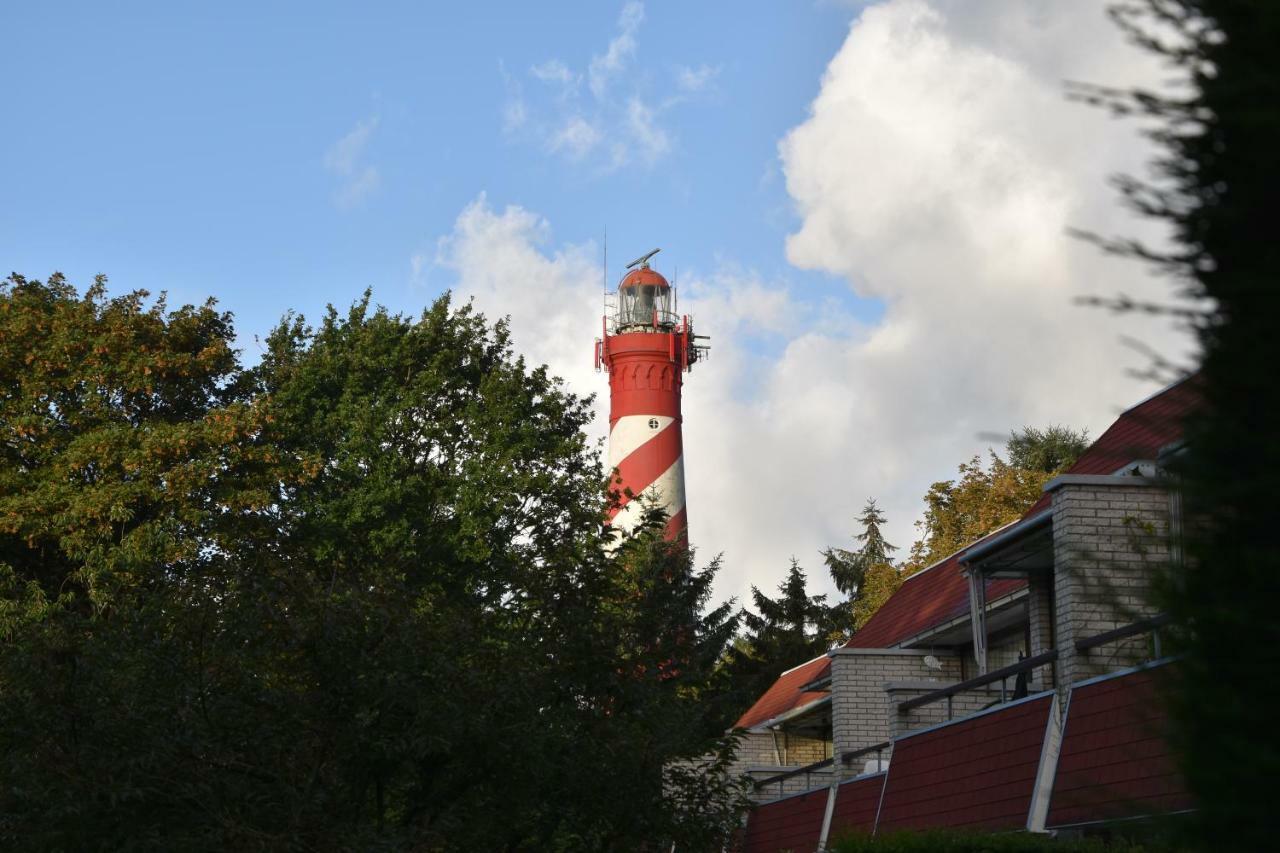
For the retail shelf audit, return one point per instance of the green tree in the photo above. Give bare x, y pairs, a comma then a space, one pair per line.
958, 512
880, 582
866, 575
849, 567
357, 597
782, 632
1048, 451
1216, 186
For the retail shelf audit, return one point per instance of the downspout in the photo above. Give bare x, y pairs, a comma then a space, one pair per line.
978, 617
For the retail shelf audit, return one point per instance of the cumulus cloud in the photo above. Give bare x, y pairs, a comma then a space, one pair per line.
504, 260
344, 159
938, 171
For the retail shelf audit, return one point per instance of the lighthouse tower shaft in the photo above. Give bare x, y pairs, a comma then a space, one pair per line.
646, 350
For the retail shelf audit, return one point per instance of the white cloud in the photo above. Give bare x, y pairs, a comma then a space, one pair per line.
604, 67
938, 171
417, 266
650, 140
564, 119
555, 71
501, 260
514, 115
692, 80
357, 180
576, 138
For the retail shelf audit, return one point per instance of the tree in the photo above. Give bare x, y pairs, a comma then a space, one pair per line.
1216, 185
849, 567
1049, 450
782, 633
867, 575
958, 512
356, 597
879, 584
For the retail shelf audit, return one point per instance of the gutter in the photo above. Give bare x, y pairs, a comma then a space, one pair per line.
1022, 528
787, 716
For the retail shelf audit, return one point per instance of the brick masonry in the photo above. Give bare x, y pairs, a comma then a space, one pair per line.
1108, 541
859, 703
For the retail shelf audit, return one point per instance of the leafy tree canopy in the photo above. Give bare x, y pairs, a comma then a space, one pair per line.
357, 597
957, 512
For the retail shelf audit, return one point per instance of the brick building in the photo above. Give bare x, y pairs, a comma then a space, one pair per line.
1010, 686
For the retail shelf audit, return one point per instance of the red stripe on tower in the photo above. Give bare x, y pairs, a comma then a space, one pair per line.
646, 349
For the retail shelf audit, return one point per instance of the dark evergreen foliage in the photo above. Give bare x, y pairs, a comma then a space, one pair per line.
1217, 185
848, 568
782, 632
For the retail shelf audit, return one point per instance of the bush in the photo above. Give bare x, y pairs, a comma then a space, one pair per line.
972, 842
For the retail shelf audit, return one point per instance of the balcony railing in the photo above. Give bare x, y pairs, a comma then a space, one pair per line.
791, 774
1004, 672
1142, 626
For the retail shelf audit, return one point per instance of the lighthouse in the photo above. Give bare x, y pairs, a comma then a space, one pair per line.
646, 350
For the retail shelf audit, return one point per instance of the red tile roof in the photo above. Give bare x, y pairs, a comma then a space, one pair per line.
976, 773
786, 695
1115, 761
925, 600
1138, 434
787, 825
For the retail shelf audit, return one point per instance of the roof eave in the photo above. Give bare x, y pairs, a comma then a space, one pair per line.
787, 716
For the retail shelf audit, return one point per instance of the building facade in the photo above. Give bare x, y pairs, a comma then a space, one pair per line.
1011, 686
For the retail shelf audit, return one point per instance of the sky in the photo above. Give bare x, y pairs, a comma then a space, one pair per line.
866, 206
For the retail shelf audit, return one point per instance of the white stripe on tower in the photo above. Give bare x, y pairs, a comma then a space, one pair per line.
646, 452
668, 490
631, 431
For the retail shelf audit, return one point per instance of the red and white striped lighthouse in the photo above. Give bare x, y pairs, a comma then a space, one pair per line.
646, 349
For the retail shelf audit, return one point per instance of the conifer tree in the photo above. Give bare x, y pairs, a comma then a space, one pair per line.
1216, 181
849, 567
782, 632
867, 575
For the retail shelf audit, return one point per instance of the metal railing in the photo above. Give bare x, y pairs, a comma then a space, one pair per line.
845, 759
791, 774
1151, 624
1004, 672
877, 748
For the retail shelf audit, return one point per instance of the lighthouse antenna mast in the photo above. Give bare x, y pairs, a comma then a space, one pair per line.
643, 260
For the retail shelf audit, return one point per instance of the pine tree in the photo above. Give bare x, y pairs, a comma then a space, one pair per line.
849, 567
867, 575
783, 632
1217, 181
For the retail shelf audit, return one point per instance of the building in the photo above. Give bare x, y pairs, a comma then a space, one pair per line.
1010, 686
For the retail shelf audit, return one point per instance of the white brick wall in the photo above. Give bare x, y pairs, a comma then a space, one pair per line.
1108, 540
860, 711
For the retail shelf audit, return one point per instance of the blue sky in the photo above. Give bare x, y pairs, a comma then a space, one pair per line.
868, 205
186, 150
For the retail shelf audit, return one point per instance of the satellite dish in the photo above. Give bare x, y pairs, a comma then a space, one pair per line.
643, 260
